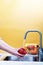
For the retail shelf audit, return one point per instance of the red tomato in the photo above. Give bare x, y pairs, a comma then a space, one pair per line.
30, 47
22, 51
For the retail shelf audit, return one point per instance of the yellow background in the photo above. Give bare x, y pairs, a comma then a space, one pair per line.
17, 16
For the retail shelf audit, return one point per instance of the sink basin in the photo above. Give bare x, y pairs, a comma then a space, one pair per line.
8, 57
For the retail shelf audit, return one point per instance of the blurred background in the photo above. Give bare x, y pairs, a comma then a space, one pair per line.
18, 16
